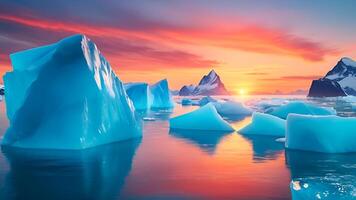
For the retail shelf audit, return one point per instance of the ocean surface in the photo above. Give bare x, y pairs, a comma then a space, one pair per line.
189, 165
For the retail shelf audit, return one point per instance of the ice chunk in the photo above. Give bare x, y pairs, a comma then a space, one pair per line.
328, 134
204, 118
230, 107
299, 107
264, 124
205, 100
66, 96
161, 94
140, 95
186, 102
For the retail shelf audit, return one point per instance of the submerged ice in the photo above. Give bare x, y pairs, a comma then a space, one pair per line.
66, 96
264, 124
299, 107
327, 134
204, 118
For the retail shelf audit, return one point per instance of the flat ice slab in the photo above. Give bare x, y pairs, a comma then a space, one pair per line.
230, 107
204, 118
299, 107
264, 124
66, 96
327, 134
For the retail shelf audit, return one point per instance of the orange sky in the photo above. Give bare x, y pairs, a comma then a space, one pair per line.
260, 49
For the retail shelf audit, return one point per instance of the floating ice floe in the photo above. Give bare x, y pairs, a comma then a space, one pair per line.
186, 102
140, 95
327, 134
264, 124
66, 96
299, 107
162, 97
205, 100
204, 118
229, 107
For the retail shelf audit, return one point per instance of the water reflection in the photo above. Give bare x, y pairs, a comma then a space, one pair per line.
96, 173
205, 140
264, 147
322, 176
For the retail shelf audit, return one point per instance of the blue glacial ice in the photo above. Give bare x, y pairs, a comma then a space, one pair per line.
204, 118
66, 96
186, 102
140, 95
299, 107
327, 134
265, 124
162, 97
228, 108
205, 100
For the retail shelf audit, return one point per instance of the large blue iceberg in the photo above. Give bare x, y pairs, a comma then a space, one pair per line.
299, 107
140, 95
162, 97
327, 134
204, 118
66, 96
265, 124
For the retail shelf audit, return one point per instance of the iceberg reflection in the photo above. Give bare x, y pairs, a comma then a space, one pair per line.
264, 147
205, 140
95, 173
322, 176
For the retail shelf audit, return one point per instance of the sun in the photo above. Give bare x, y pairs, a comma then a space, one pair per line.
242, 91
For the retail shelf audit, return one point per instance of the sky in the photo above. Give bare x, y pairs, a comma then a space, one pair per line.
260, 47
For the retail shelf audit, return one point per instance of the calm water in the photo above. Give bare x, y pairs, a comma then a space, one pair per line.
176, 165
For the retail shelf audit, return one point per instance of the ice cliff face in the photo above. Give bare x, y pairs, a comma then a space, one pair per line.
210, 84
340, 81
66, 96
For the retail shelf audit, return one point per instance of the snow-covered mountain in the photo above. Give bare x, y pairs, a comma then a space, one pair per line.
210, 84
340, 81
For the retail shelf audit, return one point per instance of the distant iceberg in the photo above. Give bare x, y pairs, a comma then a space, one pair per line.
230, 107
186, 102
299, 107
264, 124
140, 95
66, 96
162, 97
204, 118
205, 100
327, 134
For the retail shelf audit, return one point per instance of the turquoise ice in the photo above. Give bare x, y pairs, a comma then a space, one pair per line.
186, 101
231, 107
265, 124
204, 118
162, 97
205, 100
327, 134
66, 96
299, 107
140, 95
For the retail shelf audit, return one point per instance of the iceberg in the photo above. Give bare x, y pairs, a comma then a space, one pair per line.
186, 102
327, 134
230, 107
140, 95
162, 97
264, 124
66, 96
299, 107
204, 118
205, 100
